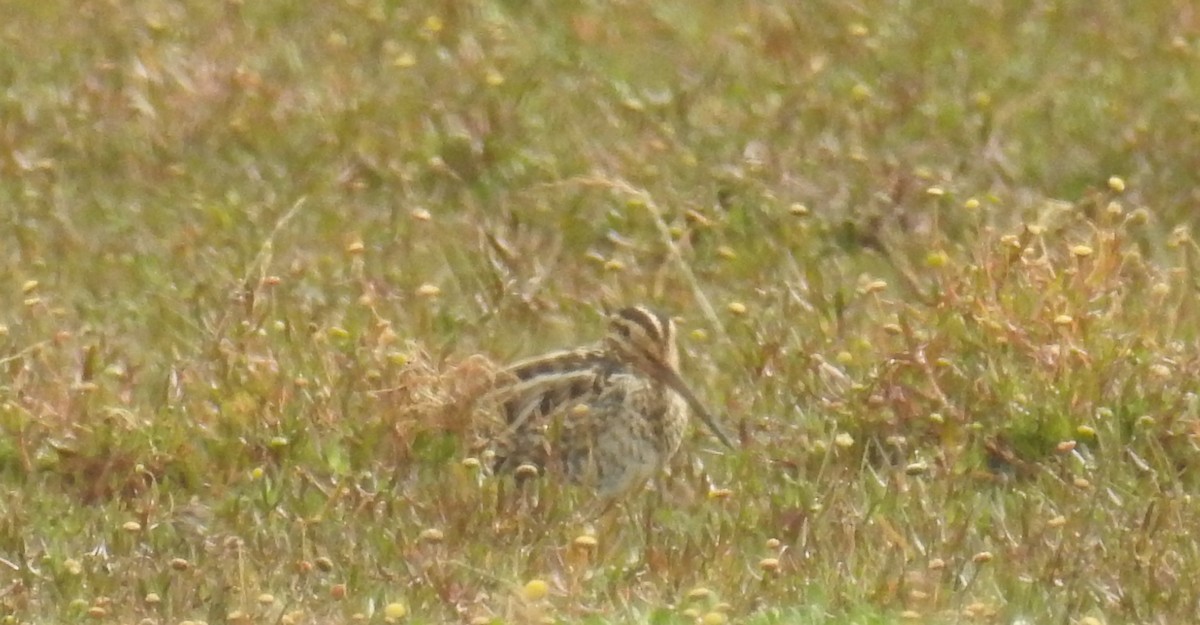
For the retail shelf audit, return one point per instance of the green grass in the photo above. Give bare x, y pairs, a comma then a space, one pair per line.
932, 263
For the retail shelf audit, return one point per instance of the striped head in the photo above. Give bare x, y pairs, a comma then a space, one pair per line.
646, 339
641, 336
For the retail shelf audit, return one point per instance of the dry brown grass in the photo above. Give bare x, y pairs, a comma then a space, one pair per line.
934, 265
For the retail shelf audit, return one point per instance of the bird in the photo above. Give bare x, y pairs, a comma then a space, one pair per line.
608, 416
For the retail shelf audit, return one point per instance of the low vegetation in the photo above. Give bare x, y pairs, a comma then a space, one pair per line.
933, 265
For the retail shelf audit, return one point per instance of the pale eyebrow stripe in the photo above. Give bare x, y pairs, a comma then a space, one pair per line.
647, 320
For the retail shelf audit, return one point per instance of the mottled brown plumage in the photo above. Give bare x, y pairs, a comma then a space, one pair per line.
610, 416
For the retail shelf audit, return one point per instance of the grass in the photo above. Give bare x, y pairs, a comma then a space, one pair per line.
933, 265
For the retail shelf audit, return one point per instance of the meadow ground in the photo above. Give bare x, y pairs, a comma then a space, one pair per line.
932, 262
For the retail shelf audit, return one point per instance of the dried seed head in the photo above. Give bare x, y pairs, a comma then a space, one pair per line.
1139, 216
585, 542
394, 612
872, 286
720, 493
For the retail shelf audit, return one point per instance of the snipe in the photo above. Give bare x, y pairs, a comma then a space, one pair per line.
609, 416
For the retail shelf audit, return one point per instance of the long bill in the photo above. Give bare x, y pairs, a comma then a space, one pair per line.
669, 377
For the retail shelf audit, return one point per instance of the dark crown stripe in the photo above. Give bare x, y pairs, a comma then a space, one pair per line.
650, 322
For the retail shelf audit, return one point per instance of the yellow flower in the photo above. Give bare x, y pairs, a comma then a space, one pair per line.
535, 590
